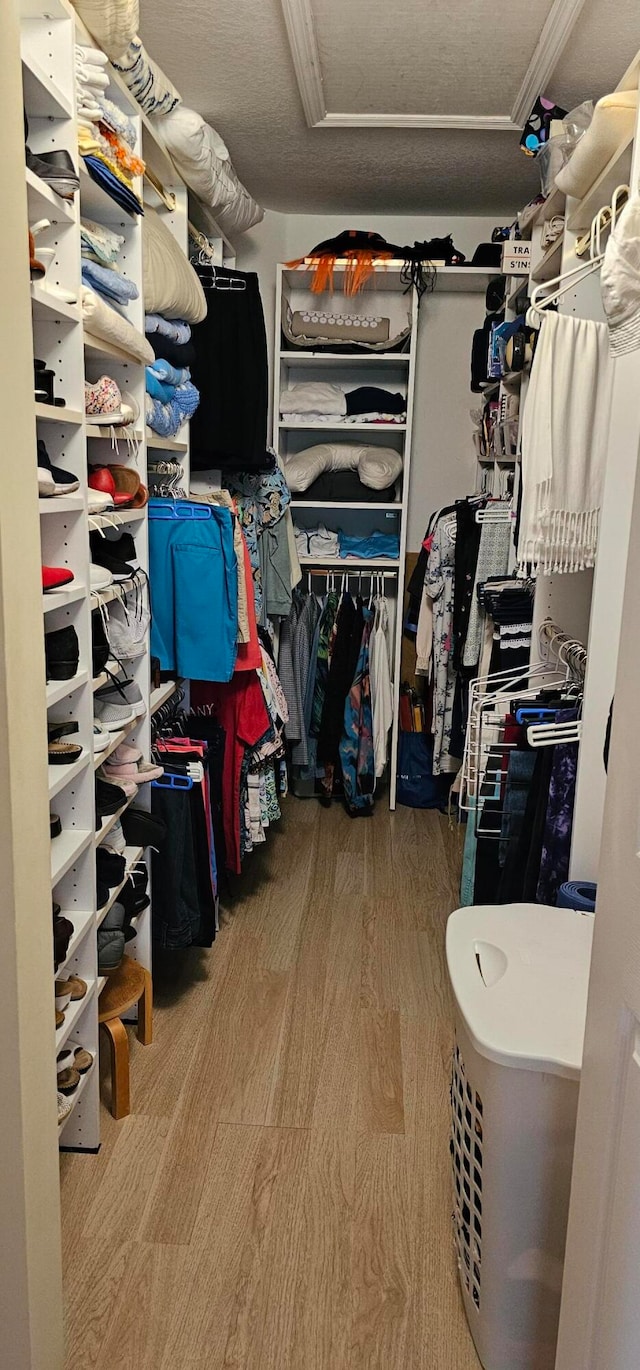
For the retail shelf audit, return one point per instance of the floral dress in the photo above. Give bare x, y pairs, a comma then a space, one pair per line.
438, 585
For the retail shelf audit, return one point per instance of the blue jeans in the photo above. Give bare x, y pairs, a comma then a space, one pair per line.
193, 575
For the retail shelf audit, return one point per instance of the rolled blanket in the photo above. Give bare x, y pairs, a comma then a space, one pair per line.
108, 283
175, 329
157, 389
166, 419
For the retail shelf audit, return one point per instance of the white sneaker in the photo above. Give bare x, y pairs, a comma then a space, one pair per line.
115, 839
64, 1108
101, 738
99, 578
98, 501
113, 717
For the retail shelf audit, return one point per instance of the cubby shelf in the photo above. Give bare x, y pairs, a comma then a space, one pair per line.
132, 855
72, 1014
59, 689
61, 776
66, 849
45, 204
54, 413
49, 309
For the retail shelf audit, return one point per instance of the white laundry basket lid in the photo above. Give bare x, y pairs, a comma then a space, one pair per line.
520, 975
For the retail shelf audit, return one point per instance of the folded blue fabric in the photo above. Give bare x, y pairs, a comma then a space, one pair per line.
170, 375
175, 329
115, 188
166, 419
375, 545
157, 389
108, 283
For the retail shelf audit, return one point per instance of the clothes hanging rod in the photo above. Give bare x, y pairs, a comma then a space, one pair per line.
340, 571
167, 196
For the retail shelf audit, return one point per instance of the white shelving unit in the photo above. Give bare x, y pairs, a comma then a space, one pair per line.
384, 295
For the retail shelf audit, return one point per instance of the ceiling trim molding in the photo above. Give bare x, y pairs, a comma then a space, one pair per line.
557, 29
301, 32
303, 42
500, 122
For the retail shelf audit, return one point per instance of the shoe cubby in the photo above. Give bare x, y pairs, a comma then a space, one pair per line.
65, 445
57, 344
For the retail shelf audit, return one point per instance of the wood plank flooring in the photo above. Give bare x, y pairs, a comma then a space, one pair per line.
279, 1198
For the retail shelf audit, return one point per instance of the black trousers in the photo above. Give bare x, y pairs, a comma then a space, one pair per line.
229, 428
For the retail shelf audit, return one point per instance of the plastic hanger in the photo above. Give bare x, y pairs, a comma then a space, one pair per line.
179, 509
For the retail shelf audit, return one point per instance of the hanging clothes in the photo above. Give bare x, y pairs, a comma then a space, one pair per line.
439, 581
194, 577
229, 429
381, 687
356, 744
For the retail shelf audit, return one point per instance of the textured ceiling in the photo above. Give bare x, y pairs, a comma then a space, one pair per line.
230, 59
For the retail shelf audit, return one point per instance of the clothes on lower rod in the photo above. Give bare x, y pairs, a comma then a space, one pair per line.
194, 579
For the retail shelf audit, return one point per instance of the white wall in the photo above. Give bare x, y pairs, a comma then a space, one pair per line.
443, 460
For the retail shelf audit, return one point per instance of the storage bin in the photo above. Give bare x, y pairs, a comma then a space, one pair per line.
520, 976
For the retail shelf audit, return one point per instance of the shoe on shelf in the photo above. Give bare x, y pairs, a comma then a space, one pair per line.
53, 577
72, 989
68, 1080
141, 772
101, 738
64, 753
128, 786
111, 940
110, 867
124, 754
124, 692
64, 1108
82, 1058
103, 402
99, 577
55, 825
53, 480
56, 169
62, 934
114, 840
36, 267
109, 798
113, 714
103, 895
62, 653
99, 501
121, 482
102, 555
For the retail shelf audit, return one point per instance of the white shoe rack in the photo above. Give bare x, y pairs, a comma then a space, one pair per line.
49, 32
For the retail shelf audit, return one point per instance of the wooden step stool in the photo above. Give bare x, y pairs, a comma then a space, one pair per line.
130, 984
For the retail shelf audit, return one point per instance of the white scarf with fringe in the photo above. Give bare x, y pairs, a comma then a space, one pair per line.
564, 445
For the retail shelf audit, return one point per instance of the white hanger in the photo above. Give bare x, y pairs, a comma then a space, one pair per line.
549, 734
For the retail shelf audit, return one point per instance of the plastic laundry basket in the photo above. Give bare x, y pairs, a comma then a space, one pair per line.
519, 975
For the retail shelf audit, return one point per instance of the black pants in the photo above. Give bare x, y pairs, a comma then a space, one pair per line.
229, 428
183, 910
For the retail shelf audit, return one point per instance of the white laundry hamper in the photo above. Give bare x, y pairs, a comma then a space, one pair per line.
520, 976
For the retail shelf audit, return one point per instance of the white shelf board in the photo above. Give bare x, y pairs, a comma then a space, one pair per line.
100, 983
112, 591
60, 599
157, 444
117, 516
554, 204
355, 359
82, 923
549, 265
116, 739
108, 822
45, 204
53, 413
65, 850
351, 563
99, 348
72, 1014
342, 427
61, 776
103, 432
616, 173
131, 856
62, 504
345, 504
76, 1097
387, 276
162, 694
43, 97
47, 308
59, 689
96, 203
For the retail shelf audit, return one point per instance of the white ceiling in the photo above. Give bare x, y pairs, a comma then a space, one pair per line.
232, 60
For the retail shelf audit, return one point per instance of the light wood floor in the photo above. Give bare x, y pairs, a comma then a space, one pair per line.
279, 1198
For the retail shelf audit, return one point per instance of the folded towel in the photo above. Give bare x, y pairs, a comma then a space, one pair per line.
175, 329
108, 283
166, 419
169, 375
102, 241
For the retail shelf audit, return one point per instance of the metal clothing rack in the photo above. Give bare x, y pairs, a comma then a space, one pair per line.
570, 652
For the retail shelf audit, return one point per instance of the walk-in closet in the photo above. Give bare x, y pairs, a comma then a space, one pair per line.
319, 625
